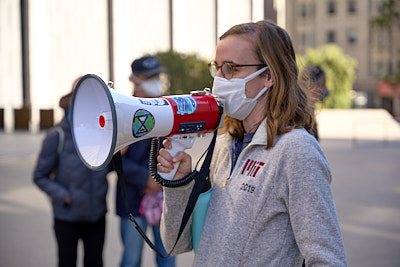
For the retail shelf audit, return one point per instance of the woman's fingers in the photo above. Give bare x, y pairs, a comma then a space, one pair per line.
167, 143
185, 165
165, 159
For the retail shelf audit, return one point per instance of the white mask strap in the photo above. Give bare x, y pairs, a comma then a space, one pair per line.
255, 74
260, 93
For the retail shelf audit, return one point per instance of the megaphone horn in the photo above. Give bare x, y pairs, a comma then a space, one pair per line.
104, 121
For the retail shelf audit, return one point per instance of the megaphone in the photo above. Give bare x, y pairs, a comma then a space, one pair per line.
104, 121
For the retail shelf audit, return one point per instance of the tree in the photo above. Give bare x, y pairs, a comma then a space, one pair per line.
186, 72
389, 15
340, 72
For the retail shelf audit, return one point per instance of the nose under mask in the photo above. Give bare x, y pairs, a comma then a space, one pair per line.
233, 94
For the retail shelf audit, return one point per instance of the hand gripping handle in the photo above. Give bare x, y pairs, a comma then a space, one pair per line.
179, 142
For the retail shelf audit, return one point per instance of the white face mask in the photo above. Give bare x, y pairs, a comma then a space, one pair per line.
233, 94
151, 87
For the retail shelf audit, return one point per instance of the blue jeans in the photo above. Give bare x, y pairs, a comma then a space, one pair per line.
133, 244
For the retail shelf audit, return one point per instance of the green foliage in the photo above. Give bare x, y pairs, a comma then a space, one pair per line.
340, 72
388, 16
185, 72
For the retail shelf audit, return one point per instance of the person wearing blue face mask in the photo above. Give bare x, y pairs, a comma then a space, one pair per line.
143, 194
77, 194
271, 202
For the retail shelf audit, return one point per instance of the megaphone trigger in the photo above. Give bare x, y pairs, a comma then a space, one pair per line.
179, 143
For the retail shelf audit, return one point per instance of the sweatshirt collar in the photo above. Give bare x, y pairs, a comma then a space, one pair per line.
259, 138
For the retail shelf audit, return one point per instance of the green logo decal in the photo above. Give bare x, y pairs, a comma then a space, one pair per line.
143, 123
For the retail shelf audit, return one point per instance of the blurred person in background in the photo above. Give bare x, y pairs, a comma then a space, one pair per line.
143, 193
313, 78
77, 194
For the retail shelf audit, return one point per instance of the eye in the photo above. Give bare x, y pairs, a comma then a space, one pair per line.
227, 70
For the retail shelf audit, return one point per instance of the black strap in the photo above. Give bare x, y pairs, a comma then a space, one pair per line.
121, 182
200, 182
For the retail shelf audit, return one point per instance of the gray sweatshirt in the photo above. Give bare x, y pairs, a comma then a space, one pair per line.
274, 209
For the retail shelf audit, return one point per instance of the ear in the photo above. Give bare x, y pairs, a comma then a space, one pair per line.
269, 79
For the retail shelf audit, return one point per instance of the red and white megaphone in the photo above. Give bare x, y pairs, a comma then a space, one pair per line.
104, 121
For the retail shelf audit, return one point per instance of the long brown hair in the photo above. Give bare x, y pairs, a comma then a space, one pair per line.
287, 106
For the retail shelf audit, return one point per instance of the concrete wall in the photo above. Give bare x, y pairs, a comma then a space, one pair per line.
357, 124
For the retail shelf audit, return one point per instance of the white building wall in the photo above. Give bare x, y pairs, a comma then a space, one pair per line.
11, 61
258, 10
232, 12
69, 38
140, 27
194, 27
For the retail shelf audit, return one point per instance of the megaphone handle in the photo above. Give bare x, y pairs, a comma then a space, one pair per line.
179, 142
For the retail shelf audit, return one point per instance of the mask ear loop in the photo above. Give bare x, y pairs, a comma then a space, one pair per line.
260, 93
252, 76
255, 74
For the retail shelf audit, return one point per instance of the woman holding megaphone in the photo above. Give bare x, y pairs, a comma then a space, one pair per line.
271, 201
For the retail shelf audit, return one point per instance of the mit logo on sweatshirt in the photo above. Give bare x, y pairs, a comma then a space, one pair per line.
252, 167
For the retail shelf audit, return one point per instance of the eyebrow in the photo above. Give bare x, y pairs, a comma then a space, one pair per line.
226, 61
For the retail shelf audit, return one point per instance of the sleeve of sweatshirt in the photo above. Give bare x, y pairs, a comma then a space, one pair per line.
46, 162
308, 197
175, 200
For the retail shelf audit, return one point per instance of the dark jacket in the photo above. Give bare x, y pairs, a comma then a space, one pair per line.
136, 173
86, 188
